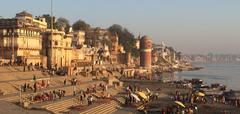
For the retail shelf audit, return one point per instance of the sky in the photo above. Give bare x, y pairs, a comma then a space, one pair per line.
190, 26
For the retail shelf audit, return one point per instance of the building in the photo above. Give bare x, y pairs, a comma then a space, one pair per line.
117, 52
20, 38
57, 48
145, 52
78, 39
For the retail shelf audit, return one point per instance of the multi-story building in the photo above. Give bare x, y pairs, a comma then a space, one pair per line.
57, 48
78, 39
20, 38
117, 52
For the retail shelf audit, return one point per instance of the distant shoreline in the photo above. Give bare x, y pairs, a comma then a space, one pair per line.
209, 62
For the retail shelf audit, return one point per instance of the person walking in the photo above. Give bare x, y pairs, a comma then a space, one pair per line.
24, 87
35, 87
65, 82
74, 90
48, 83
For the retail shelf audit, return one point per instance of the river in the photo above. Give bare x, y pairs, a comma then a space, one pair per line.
227, 74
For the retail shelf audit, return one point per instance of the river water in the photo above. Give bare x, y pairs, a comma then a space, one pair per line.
227, 74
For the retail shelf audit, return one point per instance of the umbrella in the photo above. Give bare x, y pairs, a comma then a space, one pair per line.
148, 90
180, 104
135, 96
143, 95
200, 94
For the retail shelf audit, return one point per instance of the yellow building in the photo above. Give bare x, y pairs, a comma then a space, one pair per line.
117, 52
20, 38
78, 39
57, 48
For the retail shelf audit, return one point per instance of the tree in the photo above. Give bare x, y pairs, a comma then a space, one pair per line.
126, 38
116, 29
62, 23
48, 20
171, 49
81, 25
179, 55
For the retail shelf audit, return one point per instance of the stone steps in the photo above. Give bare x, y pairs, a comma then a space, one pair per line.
61, 107
106, 108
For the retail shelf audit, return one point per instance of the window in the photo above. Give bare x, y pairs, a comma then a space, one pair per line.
4, 31
56, 43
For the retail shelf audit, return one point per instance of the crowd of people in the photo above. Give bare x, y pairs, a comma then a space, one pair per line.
90, 92
192, 98
36, 85
130, 99
177, 110
46, 96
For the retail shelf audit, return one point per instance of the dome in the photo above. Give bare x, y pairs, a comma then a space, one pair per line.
23, 14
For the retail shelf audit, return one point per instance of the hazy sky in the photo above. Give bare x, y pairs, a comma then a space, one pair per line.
191, 26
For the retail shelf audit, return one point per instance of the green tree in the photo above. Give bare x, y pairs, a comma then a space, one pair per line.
81, 25
116, 29
126, 38
48, 20
62, 23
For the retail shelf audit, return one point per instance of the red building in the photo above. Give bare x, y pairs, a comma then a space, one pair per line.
145, 52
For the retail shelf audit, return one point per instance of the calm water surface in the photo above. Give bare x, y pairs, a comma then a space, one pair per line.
228, 74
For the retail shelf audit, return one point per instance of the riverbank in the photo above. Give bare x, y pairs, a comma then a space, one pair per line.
227, 74
167, 90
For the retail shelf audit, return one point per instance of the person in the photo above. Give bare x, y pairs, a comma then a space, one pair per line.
24, 87
59, 94
106, 87
196, 108
50, 96
28, 67
75, 81
108, 95
90, 99
29, 87
182, 112
127, 89
54, 95
34, 78
65, 82
74, 90
94, 90
84, 94
35, 87
223, 100
43, 83
48, 83
81, 97
126, 100
21, 88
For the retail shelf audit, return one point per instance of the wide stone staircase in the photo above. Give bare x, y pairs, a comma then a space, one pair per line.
61, 106
103, 108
